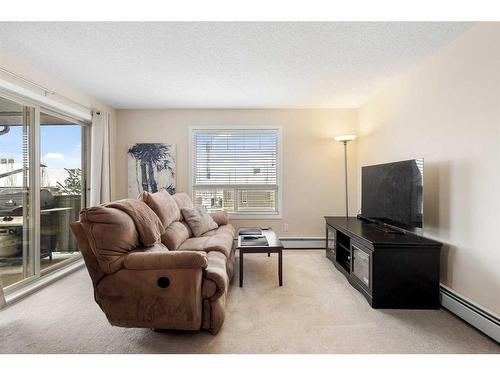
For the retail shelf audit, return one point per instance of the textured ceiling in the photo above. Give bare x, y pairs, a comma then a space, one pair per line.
228, 65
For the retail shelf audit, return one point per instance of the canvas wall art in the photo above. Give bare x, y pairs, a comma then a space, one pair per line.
151, 167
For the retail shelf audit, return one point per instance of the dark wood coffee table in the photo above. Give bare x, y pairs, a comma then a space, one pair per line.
274, 246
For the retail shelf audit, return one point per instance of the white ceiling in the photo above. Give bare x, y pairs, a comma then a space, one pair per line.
228, 65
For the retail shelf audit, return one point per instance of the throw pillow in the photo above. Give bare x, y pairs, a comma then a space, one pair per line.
198, 220
163, 204
220, 217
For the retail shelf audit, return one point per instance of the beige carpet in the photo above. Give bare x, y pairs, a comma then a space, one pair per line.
11, 274
316, 311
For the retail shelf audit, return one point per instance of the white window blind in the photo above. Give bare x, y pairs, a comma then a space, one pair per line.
236, 170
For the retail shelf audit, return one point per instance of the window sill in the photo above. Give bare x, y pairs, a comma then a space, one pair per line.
262, 216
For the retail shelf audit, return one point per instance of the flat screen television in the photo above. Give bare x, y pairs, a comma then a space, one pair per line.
392, 193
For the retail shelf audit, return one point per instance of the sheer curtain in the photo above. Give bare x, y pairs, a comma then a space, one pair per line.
100, 185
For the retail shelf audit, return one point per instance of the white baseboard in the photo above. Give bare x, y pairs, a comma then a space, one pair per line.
477, 316
303, 242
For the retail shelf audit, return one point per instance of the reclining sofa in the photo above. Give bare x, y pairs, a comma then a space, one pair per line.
164, 279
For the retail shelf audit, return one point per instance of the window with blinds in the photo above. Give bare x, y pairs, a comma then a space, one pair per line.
236, 170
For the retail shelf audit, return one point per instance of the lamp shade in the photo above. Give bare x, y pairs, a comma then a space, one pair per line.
345, 138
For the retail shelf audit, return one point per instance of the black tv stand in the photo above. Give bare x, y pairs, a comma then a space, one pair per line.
390, 270
384, 227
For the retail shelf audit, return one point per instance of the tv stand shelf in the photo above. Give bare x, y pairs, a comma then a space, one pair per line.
391, 270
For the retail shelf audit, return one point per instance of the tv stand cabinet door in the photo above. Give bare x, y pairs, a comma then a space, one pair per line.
331, 243
406, 278
361, 265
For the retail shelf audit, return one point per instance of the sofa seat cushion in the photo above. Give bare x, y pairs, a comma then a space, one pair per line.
221, 243
193, 244
176, 234
164, 206
228, 228
199, 220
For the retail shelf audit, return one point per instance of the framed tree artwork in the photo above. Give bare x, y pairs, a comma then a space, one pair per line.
151, 167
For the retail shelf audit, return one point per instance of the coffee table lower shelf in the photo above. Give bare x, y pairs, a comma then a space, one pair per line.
280, 262
274, 246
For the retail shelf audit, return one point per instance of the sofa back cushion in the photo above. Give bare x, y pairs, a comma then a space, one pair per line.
95, 271
148, 225
111, 234
163, 205
183, 201
220, 217
198, 220
176, 234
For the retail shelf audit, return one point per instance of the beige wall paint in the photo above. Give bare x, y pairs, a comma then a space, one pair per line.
313, 169
62, 89
448, 111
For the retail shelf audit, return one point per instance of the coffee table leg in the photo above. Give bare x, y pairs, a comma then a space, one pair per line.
268, 255
280, 266
241, 268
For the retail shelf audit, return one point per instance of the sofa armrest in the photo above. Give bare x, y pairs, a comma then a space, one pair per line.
155, 260
220, 217
216, 281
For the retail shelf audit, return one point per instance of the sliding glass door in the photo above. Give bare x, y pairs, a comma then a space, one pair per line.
16, 215
42, 189
62, 171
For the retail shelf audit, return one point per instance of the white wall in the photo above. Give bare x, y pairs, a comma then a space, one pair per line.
313, 169
63, 90
448, 111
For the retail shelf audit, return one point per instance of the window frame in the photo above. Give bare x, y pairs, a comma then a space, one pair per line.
279, 169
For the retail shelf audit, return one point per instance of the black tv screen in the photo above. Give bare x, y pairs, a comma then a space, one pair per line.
393, 193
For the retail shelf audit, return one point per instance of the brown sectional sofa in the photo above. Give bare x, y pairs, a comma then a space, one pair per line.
179, 283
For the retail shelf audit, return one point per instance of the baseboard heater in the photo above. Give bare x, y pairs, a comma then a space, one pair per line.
485, 321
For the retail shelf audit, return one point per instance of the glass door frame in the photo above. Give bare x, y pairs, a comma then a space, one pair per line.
32, 110
85, 160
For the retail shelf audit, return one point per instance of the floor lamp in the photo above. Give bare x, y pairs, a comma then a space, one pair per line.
344, 139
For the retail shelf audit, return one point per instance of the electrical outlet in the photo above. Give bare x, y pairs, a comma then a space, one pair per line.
285, 227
